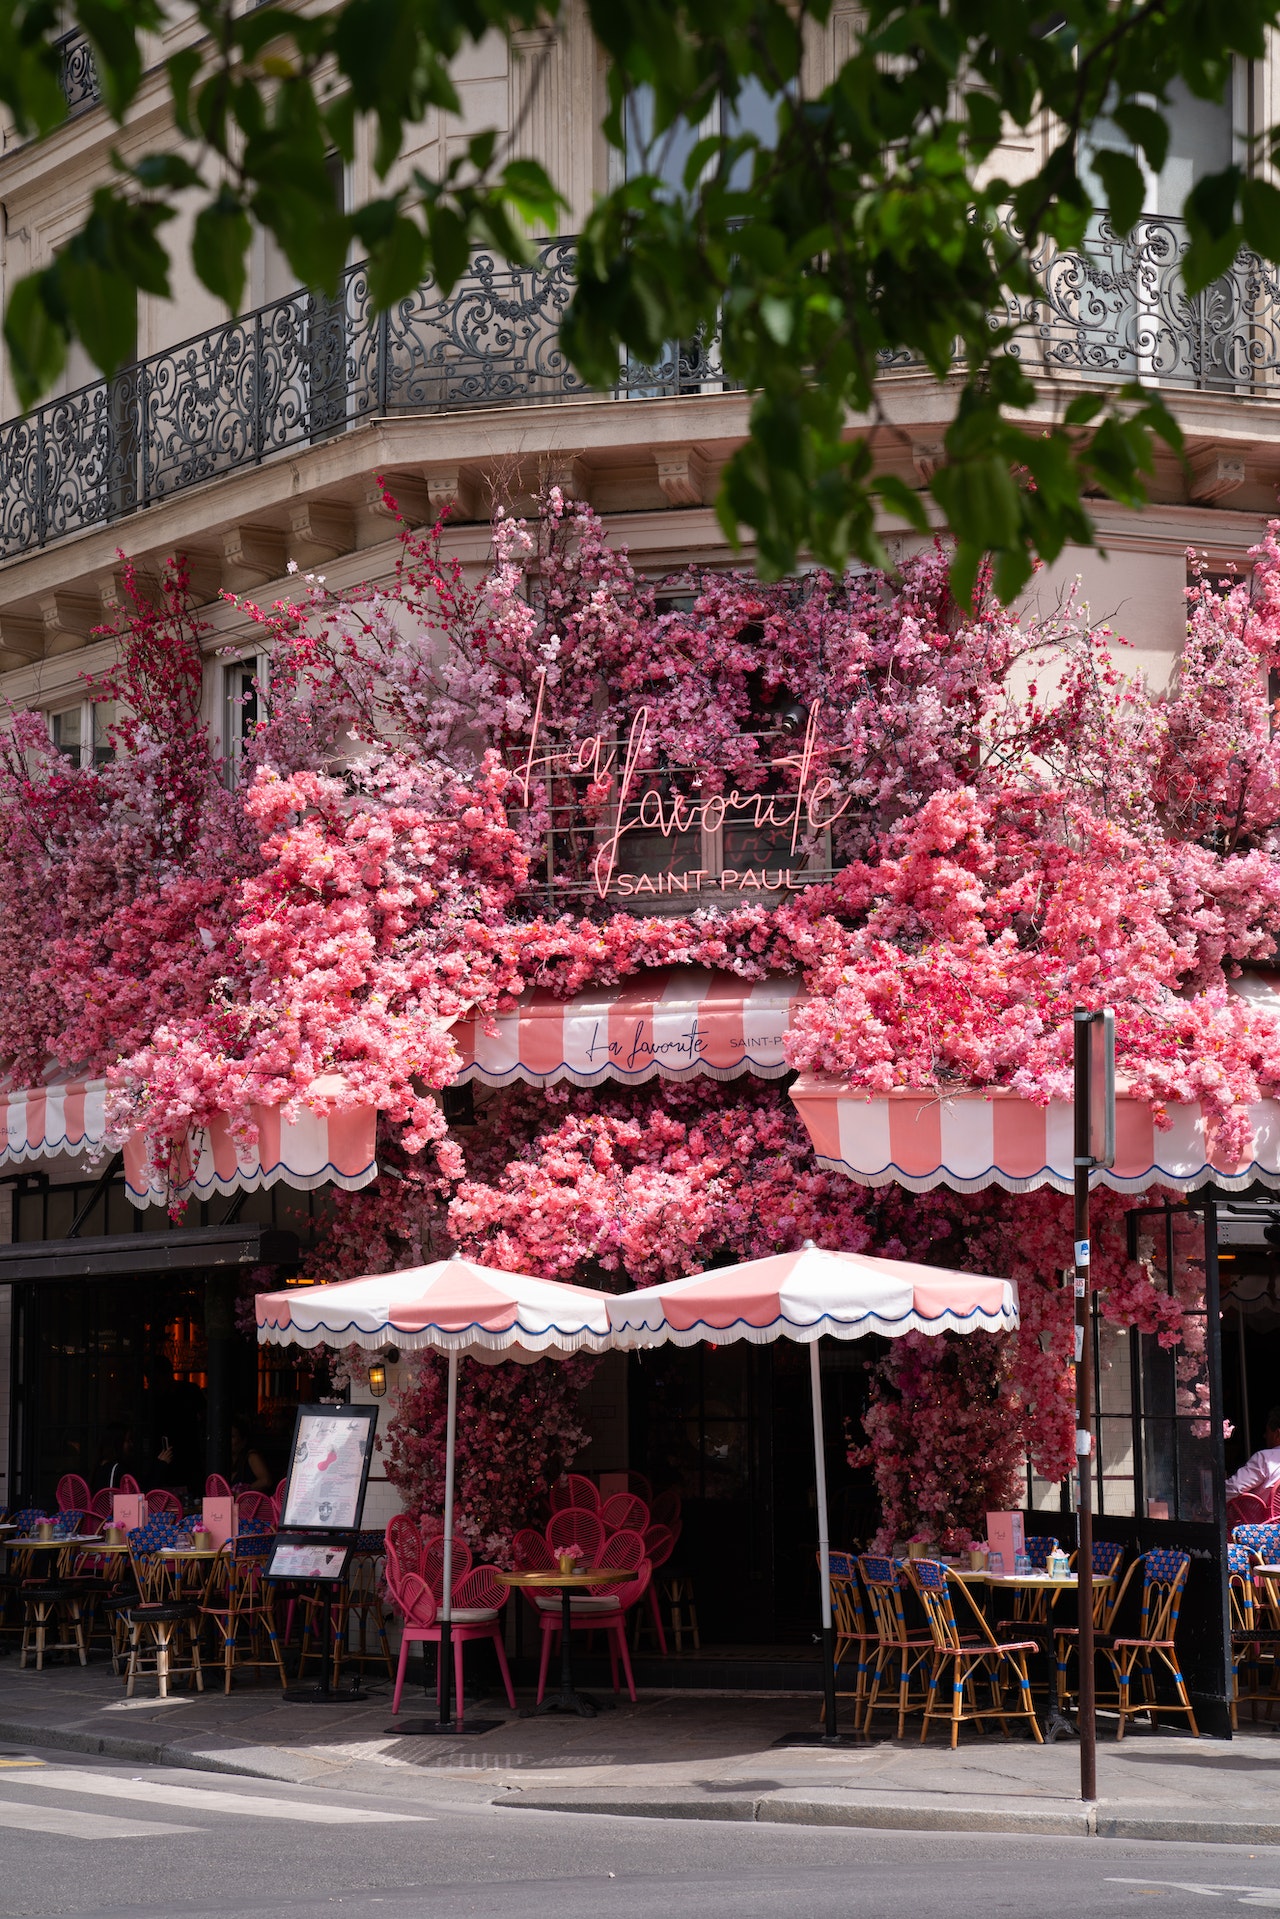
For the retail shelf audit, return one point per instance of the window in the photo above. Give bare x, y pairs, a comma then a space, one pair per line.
244, 703
82, 733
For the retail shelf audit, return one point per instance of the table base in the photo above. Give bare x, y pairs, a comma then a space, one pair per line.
1056, 1725
318, 1695
580, 1703
434, 1728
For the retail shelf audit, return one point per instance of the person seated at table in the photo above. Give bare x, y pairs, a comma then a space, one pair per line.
1260, 1473
249, 1467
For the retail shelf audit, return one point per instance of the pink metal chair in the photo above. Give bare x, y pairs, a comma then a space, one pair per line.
478, 1599
433, 1562
576, 1526
127, 1484
256, 1506
640, 1483
603, 1610
166, 1503
1248, 1509
216, 1487
624, 1512
73, 1492
101, 1505
404, 1550
1273, 1504
574, 1489
531, 1553
659, 1544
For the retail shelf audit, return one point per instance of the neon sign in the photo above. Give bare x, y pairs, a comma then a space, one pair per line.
811, 806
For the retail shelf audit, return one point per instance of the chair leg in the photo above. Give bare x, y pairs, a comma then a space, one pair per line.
617, 1632
503, 1668
404, 1660
457, 1677
548, 1633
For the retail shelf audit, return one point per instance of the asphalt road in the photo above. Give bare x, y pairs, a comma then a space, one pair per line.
101, 1839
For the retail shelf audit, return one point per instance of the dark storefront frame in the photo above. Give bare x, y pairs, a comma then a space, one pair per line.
56, 1275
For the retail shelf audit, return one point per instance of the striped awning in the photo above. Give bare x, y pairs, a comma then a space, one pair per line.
69, 1116
676, 1021
967, 1140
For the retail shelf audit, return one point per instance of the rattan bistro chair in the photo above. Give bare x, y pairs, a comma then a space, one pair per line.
998, 1662
855, 1640
1153, 1647
901, 1658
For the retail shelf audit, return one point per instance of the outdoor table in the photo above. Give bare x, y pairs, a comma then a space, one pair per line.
175, 1558
61, 1545
567, 1700
1041, 1630
1054, 1723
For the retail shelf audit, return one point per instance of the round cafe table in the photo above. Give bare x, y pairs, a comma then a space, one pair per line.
567, 1700
1055, 1723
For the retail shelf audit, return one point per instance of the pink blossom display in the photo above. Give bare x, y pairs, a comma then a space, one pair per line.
1011, 822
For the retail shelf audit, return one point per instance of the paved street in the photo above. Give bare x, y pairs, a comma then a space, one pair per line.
99, 1839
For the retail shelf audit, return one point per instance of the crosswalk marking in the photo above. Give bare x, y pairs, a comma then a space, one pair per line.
61, 1822
316, 1812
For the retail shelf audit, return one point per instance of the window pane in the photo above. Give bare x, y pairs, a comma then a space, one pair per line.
103, 716
67, 728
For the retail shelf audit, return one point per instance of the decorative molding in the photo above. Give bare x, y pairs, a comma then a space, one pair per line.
926, 457
68, 619
319, 530
375, 522
251, 555
682, 475
21, 641
451, 489
569, 472
1213, 478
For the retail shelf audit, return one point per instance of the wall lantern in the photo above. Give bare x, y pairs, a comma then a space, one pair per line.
389, 1356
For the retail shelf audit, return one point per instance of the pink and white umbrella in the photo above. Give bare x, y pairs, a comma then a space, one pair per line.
809, 1293
802, 1296
453, 1306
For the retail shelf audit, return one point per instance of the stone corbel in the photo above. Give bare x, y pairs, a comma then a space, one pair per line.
21, 641
68, 619
926, 458
682, 476
451, 490
375, 522
251, 555
1214, 477
319, 530
569, 472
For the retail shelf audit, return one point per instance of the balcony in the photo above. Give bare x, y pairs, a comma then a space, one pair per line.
78, 75
306, 369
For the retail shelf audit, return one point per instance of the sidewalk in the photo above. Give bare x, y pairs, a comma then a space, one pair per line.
674, 1755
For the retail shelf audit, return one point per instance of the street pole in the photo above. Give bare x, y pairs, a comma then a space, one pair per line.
1084, 1162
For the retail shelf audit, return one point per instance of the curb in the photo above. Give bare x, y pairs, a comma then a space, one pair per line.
147, 1752
1091, 1822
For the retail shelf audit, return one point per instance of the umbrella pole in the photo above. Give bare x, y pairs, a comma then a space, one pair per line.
446, 1595
824, 1544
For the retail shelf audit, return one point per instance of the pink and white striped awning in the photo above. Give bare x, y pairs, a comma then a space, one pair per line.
967, 1140
676, 1021
64, 1116
70, 1116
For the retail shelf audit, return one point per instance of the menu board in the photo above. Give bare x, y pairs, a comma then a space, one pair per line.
308, 1559
329, 1467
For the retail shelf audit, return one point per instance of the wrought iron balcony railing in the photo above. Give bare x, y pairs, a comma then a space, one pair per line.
305, 369
295, 373
79, 75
